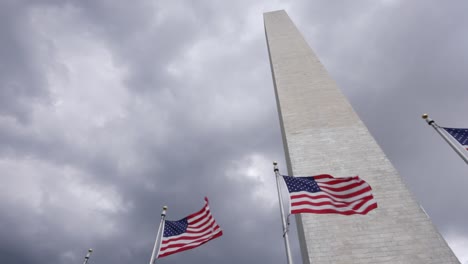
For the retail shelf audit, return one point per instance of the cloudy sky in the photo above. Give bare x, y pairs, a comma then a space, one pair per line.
111, 109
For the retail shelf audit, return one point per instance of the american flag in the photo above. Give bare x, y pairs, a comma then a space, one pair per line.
189, 232
460, 134
323, 194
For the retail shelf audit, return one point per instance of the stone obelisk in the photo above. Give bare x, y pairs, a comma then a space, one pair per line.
322, 134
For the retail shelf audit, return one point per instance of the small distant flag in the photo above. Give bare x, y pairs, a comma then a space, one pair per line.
324, 194
459, 134
189, 232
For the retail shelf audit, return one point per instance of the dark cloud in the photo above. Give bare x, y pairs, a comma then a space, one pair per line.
22, 81
133, 106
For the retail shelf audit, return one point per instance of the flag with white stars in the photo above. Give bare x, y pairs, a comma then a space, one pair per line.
459, 134
189, 232
324, 194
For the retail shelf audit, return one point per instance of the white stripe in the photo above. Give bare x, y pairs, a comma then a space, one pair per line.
349, 204
344, 209
351, 199
328, 200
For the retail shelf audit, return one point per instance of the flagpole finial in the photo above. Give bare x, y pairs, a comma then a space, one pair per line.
88, 255
275, 166
163, 213
428, 119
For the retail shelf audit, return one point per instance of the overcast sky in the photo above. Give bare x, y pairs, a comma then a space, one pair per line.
111, 109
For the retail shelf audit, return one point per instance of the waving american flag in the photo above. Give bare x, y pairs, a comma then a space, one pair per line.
324, 194
189, 232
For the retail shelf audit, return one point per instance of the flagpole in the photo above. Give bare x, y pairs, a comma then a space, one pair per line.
280, 199
88, 255
163, 216
444, 136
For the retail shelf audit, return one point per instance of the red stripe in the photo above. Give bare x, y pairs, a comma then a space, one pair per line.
322, 176
360, 204
349, 195
343, 188
201, 221
201, 212
341, 205
313, 198
330, 195
339, 180
209, 226
320, 196
201, 230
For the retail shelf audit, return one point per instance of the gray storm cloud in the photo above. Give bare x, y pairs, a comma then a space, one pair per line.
110, 110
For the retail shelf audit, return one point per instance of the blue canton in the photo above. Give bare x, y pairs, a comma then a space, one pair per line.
297, 184
175, 228
460, 134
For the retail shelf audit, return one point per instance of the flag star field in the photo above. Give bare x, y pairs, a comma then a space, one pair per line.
174, 228
459, 134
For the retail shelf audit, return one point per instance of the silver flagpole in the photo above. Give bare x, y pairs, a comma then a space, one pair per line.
444, 136
163, 216
280, 199
88, 255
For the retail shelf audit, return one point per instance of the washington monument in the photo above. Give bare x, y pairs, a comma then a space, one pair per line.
322, 134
